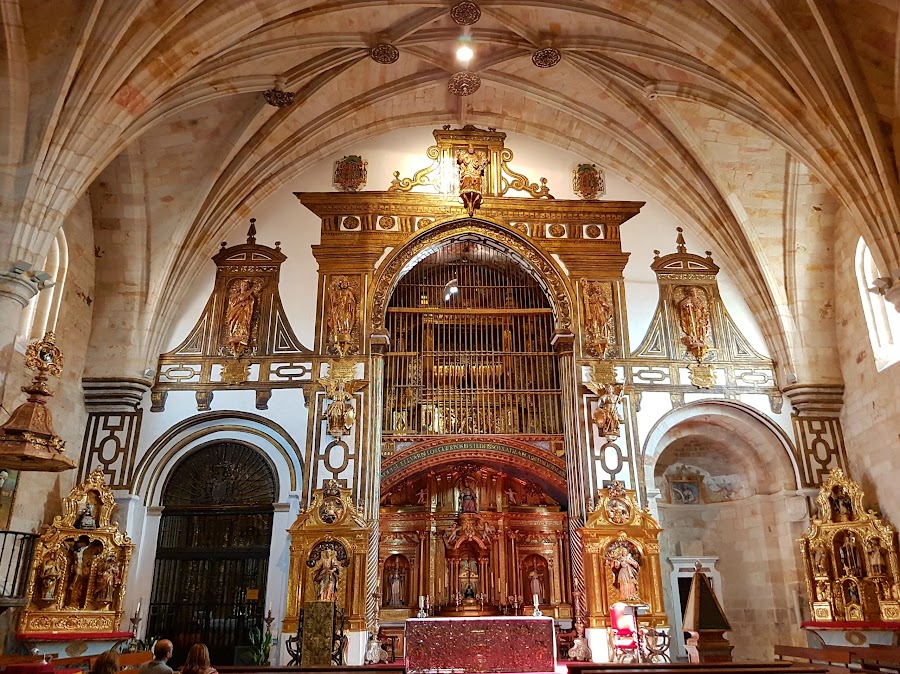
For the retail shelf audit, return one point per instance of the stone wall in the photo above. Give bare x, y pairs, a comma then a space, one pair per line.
871, 413
760, 578
39, 495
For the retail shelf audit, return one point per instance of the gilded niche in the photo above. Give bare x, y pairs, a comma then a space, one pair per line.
241, 315
471, 164
343, 302
850, 558
80, 565
599, 328
692, 305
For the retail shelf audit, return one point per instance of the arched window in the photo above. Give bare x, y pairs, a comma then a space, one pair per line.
882, 319
42, 311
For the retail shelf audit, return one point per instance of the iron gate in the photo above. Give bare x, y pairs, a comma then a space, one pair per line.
212, 557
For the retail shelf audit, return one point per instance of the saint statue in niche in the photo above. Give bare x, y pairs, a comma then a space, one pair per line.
326, 574
693, 317
107, 579
841, 504
80, 571
342, 312
626, 570
536, 581
239, 314
877, 565
471, 164
395, 581
86, 518
50, 572
820, 561
849, 554
467, 503
598, 313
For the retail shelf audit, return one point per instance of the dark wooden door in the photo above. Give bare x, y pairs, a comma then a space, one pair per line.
212, 556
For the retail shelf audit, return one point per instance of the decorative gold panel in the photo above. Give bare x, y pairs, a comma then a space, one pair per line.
621, 557
849, 557
243, 339
80, 566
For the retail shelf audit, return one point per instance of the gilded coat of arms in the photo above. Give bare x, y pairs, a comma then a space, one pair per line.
588, 182
350, 173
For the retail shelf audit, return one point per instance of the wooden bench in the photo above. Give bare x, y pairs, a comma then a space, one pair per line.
829, 655
877, 658
345, 669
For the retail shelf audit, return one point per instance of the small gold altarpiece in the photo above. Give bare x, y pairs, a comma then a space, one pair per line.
329, 549
621, 558
850, 558
80, 566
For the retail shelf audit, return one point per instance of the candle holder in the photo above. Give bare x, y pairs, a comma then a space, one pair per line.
135, 624
536, 613
516, 601
269, 619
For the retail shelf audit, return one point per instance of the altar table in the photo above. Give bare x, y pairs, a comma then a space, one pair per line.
488, 644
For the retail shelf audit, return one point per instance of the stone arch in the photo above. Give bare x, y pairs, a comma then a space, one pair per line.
183, 438
490, 232
773, 449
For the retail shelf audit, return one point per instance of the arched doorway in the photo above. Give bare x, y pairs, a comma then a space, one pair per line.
212, 555
727, 497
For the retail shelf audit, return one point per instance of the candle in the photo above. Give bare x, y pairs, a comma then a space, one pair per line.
138, 609
421, 601
270, 608
535, 600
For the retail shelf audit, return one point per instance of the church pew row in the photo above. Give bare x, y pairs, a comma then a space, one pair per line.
871, 657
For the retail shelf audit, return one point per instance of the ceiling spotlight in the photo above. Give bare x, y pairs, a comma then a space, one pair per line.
464, 54
451, 289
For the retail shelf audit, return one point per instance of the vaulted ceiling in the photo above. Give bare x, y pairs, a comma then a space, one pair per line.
715, 107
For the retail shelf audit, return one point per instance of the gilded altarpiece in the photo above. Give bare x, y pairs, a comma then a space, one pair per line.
329, 547
850, 558
80, 566
242, 340
621, 558
509, 234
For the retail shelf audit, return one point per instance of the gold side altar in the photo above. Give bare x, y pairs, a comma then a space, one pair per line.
621, 558
329, 548
80, 566
850, 558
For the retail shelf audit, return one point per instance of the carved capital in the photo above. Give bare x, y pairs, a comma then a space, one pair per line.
20, 283
815, 399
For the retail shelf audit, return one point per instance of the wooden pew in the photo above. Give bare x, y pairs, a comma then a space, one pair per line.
877, 658
834, 656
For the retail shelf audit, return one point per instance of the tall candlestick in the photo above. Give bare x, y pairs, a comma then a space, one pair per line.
421, 601
535, 600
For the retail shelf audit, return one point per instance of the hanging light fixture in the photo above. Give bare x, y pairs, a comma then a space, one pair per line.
451, 289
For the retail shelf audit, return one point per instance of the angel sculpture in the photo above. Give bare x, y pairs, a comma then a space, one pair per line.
606, 415
340, 387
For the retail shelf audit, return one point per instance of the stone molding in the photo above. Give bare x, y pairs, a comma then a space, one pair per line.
107, 394
20, 284
815, 399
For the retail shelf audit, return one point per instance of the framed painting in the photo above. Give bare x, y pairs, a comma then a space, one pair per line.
684, 492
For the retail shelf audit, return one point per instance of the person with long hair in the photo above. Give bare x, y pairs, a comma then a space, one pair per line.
197, 661
106, 663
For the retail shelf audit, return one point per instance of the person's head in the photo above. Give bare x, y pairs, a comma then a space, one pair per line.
106, 663
162, 649
197, 659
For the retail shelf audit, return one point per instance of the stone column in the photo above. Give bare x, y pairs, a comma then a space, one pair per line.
17, 286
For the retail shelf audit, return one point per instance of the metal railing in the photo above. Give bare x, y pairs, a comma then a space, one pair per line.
16, 555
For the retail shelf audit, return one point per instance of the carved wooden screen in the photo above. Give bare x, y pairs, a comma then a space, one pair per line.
470, 348
212, 556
